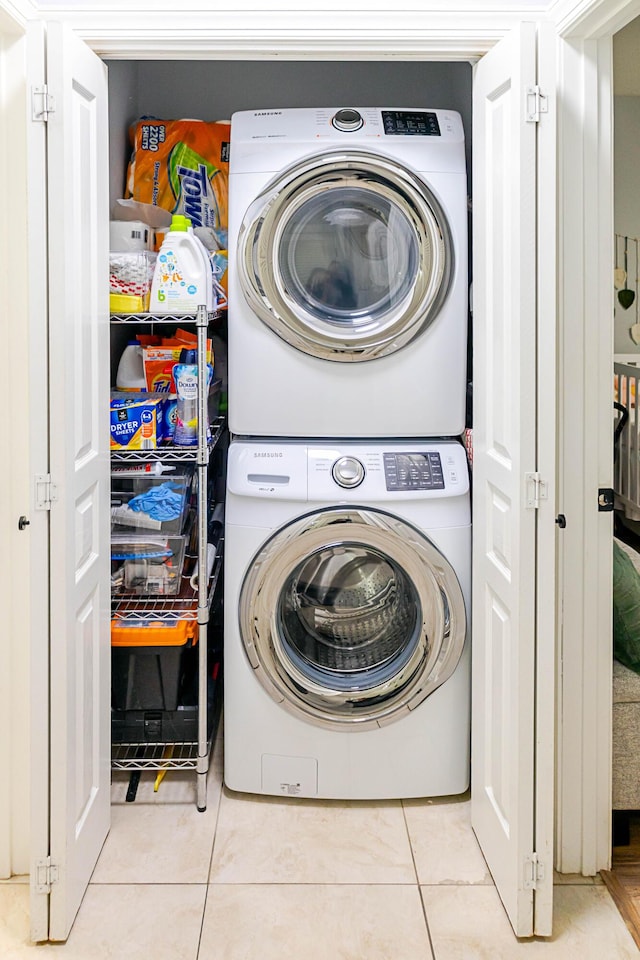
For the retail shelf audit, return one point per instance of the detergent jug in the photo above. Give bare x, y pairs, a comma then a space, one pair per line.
181, 281
130, 373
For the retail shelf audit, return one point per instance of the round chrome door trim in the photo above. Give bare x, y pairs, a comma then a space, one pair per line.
264, 286
431, 661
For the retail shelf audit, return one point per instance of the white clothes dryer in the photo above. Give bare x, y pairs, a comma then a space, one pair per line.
347, 580
347, 273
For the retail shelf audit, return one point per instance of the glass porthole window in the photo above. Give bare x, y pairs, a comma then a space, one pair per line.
348, 616
348, 257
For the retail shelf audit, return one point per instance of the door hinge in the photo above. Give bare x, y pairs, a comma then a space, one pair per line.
46, 491
536, 490
46, 875
42, 103
535, 103
533, 871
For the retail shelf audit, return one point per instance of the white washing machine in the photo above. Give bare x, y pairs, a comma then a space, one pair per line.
347, 578
347, 273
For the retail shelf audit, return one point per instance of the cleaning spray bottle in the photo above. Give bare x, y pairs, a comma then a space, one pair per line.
185, 374
181, 281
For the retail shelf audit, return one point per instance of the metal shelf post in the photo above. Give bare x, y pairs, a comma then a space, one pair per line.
202, 320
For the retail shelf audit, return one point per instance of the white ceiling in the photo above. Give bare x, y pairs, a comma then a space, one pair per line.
626, 60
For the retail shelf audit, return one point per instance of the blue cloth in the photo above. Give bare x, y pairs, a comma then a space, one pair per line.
160, 503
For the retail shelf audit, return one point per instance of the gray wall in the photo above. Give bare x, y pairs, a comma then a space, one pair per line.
123, 108
214, 89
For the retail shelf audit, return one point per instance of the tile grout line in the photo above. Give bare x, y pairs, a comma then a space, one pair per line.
406, 827
213, 846
415, 868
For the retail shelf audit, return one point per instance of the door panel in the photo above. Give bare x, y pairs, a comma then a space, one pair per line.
39, 572
504, 568
78, 353
547, 615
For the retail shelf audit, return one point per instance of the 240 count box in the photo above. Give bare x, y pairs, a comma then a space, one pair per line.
139, 421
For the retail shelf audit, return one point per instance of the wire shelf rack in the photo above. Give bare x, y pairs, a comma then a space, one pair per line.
155, 756
150, 318
143, 611
189, 604
168, 453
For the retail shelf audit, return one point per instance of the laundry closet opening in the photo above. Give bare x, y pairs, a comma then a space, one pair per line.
215, 90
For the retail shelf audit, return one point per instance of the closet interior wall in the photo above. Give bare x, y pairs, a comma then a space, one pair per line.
214, 89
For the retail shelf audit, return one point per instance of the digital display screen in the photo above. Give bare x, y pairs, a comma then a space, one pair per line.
413, 471
410, 123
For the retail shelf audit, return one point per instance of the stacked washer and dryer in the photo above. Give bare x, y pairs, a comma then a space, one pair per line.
348, 530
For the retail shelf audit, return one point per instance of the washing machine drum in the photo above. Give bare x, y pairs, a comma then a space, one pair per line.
351, 617
346, 256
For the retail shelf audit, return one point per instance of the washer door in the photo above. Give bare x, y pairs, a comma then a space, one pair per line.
346, 256
351, 617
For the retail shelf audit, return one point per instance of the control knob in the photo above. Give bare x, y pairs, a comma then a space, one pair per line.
348, 472
348, 121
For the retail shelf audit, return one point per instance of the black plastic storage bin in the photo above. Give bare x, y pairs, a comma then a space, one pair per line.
168, 726
148, 678
155, 726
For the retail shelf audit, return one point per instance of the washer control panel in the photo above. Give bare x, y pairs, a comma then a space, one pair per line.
343, 471
413, 471
348, 472
387, 471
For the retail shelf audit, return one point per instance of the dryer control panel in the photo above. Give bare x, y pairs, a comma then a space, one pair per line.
410, 123
346, 125
396, 123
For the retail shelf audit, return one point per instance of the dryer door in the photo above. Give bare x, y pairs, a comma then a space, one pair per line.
350, 617
346, 256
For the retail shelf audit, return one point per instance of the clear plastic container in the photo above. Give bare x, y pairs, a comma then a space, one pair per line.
153, 503
147, 566
130, 276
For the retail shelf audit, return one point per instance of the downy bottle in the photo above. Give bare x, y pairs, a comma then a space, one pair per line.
185, 374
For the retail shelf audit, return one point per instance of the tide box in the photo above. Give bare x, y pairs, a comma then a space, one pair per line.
159, 362
139, 421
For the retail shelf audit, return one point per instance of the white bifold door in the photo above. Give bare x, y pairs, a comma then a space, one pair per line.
77, 213
513, 520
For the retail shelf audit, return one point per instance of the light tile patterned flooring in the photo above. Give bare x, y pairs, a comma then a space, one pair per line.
259, 879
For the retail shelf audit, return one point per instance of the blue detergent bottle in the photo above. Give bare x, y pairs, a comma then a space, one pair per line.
185, 374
